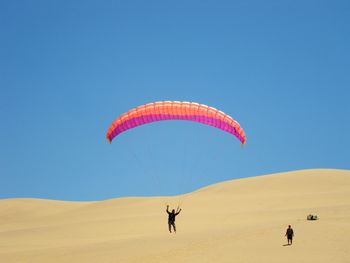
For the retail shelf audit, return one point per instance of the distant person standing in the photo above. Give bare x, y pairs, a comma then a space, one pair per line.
290, 235
171, 218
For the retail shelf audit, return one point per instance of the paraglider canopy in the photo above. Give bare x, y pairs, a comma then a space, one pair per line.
175, 110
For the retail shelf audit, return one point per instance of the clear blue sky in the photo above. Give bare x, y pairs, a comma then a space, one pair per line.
68, 69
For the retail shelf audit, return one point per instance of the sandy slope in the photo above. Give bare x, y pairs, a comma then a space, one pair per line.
236, 221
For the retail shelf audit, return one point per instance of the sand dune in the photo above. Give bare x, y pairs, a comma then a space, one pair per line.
235, 221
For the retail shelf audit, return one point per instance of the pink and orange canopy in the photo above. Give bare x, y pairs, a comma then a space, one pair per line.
175, 110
